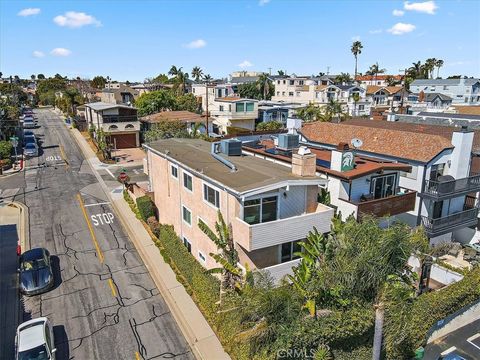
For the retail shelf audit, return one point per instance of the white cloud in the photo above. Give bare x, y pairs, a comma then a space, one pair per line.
401, 28
427, 7
29, 12
263, 2
245, 63
60, 52
73, 19
376, 31
397, 12
196, 44
356, 38
38, 54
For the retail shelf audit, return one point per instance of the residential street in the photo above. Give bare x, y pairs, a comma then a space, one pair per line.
104, 304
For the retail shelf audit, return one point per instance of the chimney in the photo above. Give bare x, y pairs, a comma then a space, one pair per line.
343, 159
304, 163
462, 140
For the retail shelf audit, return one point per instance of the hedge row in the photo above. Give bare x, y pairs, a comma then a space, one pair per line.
145, 207
202, 287
407, 325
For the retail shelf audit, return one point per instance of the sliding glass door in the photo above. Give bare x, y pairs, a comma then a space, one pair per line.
383, 186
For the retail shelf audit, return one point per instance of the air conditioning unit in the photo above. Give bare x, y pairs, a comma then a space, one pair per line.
231, 147
288, 141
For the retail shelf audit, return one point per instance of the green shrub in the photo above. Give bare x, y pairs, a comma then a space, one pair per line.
271, 125
233, 130
407, 324
145, 207
5, 149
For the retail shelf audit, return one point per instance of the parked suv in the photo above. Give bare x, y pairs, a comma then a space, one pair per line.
34, 340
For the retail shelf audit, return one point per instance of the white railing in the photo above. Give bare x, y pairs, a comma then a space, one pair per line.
279, 271
259, 236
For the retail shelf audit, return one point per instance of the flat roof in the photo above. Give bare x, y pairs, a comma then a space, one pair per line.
183, 116
99, 105
252, 172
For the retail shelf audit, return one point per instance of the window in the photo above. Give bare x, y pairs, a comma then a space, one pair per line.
250, 106
300, 82
187, 215
187, 182
298, 93
220, 108
383, 186
361, 107
278, 82
211, 195
260, 210
278, 93
193, 90
445, 87
283, 82
202, 257
187, 244
291, 82
174, 171
229, 107
290, 93
240, 107
288, 250
283, 93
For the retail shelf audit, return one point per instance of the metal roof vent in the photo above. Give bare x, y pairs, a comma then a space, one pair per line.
303, 150
288, 141
231, 147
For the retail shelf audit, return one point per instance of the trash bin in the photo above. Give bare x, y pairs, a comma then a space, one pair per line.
419, 353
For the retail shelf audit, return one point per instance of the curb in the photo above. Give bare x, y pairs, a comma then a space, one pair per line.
176, 310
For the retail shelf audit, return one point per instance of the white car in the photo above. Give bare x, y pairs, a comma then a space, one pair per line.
28, 123
34, 340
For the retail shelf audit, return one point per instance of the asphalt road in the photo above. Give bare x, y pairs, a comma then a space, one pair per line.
104, 304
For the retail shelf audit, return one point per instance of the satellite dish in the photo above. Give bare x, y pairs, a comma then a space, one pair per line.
356, 143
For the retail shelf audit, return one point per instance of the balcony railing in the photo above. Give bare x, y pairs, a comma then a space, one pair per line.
447, 189
279, 271
108, 119
449, 223
262, 235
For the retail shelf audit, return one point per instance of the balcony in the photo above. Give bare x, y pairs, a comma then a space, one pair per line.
449, 223
436, 190
279, 271
402, 202
262, 235
108, 119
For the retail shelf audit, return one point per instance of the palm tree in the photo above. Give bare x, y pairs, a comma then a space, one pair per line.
207, 78
32, 77
356, 50
438, 64
356, 99
429, 67
333, 110
226, 256
281, 73
197, 73
180, 77
264, 84
311, 113
374, 70
343, 78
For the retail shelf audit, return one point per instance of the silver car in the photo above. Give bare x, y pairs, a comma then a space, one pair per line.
34, 340
30, 150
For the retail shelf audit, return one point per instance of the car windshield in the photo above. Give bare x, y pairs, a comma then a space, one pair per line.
30, 138
33, 264
37, 353
30, 146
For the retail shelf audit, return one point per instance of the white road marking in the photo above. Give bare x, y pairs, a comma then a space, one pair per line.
101, 219
471, 338
102, 203
113, 176
53, 158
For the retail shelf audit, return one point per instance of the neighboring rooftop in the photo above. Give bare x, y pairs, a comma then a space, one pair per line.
364, 165
378, 77
429, 97
450, 116
427, 82
98, 106
372, 89
252, 173
183, 116
379, 140
233, 99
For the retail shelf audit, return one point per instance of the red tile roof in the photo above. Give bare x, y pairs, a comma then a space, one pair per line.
378, 77
397, 143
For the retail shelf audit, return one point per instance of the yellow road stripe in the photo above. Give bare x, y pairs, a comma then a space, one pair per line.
90, 227
64, 156
112, 287
137, 355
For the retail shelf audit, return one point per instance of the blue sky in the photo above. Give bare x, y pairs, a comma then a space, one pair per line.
132, 40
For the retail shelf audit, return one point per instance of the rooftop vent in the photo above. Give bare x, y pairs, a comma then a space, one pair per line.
303, 150
231, 147
288, 141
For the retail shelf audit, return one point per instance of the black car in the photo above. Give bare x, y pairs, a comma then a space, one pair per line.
36, 274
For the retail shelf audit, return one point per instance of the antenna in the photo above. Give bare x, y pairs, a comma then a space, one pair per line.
357, 143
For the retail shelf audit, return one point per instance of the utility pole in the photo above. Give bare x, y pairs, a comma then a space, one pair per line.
270, 71
206, 105
404, 87
328, 70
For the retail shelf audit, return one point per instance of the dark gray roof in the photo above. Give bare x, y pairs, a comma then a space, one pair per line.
450, 116
252, 172
440, 82
431, 96
244, 79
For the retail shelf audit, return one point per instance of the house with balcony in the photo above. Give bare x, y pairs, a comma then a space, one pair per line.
378, 80
463, 91
233, 111
118, 122
269, 206
117, 93
440, 161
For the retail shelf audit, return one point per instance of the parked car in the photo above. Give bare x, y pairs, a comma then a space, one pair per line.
28, 123
29, 139
36, 275
28, 133
30, 150
35, 340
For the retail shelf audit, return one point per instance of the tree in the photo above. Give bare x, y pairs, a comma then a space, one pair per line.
161, 79
281, 73
343, 78
166, 130
179, 78
333, 110
197, 73
390, 80
227, 256
98, 82
429, 67
356, 99
155, 101
311, 113
187, 102
374, 70
6, 149
41, 77
73, 95
32, 77
207, 78
265, 87
356, 50
269, 126
438, 64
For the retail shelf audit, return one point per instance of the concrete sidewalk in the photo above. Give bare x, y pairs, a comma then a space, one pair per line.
198, 333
